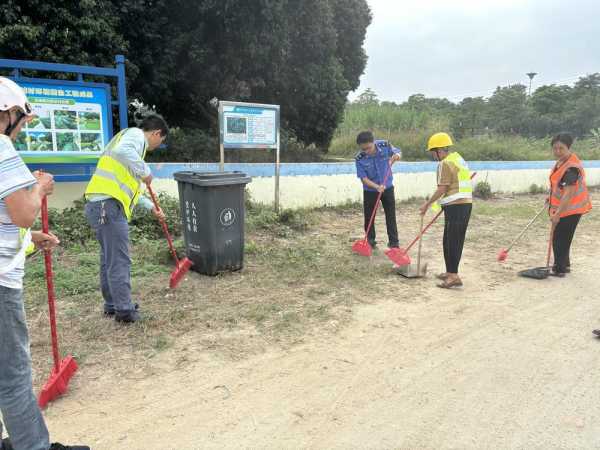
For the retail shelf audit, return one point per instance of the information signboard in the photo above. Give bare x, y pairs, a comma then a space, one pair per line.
250, 125
70, 117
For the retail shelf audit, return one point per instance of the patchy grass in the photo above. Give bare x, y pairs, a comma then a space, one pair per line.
300, 278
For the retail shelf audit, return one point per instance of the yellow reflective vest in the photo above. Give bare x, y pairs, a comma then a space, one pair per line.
113, 178
465, 186
31, 247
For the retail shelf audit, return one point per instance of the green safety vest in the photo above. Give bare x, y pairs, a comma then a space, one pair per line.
113, 178
465, 186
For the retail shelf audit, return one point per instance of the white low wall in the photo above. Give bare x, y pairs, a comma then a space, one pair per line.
326, 190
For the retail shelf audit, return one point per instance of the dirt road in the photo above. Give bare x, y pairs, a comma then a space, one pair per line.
505, 363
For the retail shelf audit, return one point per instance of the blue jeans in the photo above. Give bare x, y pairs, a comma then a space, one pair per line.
20, 411
107, 219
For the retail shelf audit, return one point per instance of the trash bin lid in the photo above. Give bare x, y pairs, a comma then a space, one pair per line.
212, 178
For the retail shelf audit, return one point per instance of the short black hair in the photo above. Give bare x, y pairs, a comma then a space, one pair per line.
565, 138
155, 122
365, 137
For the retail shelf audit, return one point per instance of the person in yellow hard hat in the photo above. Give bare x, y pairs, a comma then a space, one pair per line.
455, 195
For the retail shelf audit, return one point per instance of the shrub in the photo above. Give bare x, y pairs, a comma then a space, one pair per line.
72, 228
537, 189
483, 190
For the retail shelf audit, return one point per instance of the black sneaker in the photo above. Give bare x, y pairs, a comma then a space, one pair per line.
127, 316
6, 445
57, 446
596, 332
110, 312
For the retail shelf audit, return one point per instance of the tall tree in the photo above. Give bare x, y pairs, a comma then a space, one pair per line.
63, 31
508, 108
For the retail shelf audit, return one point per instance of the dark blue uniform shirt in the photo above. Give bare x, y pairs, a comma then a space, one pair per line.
375, 166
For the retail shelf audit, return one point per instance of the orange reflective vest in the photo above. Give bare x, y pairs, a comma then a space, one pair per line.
580, 202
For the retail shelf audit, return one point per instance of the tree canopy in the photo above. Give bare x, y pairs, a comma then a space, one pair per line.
305, 55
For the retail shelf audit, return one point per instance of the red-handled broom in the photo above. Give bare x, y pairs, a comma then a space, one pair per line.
503, 254
399, 256
362, 247
64, 370
182, 266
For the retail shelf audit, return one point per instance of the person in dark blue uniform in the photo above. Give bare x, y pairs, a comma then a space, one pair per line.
372, 164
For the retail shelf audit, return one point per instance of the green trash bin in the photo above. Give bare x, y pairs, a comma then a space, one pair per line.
213, 214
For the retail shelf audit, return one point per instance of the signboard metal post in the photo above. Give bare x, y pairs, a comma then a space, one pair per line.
252, 126
277, 172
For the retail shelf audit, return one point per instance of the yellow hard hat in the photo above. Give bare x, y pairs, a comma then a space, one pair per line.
439, 140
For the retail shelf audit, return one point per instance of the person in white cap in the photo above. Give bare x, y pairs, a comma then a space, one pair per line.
21, 194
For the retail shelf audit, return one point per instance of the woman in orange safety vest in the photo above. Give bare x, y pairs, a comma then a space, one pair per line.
569, 200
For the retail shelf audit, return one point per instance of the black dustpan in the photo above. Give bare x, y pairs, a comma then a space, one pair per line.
537, 273
540, 273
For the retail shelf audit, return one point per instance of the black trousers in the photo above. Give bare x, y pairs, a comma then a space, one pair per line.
455, 229
561, 245
388, 200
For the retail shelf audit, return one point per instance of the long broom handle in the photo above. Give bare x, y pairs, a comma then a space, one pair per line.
420, 247
372, 219
550, 239
423, 230
515, 240
50, 287
164, 225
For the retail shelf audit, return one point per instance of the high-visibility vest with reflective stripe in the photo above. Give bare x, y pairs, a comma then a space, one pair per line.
113, 178
465, 186
580, 202
22, 236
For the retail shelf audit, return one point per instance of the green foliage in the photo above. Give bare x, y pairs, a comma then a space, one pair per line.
483, 190
508, 125
188, 145
537, 189
507, 109
305, 56
145, 226
71, 225
197, 145
72, 228
63, 31
263, 217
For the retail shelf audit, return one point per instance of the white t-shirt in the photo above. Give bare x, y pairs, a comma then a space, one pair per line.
14, 175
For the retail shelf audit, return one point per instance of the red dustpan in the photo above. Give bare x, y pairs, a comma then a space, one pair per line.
64, 370
182, 266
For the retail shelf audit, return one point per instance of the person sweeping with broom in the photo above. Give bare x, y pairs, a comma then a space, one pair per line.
21, 194
569, 200
373, 168
112, 194
455, 195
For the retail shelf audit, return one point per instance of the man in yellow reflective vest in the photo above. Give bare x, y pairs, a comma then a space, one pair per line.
112, 194
455, 195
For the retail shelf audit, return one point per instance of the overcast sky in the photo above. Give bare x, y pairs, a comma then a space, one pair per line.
461, 48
